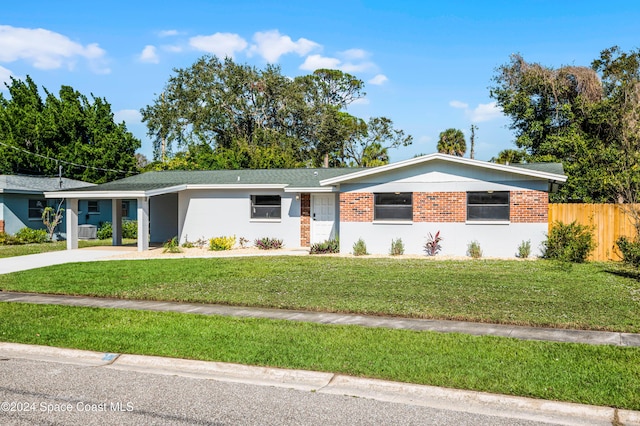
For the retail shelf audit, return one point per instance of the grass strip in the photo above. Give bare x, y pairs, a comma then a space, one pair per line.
598, 375
25, 249
594, 296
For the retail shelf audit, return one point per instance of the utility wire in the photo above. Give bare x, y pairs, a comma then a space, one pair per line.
65, 162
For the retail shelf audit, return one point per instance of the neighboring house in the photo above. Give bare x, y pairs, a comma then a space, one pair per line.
22, 200
497, 205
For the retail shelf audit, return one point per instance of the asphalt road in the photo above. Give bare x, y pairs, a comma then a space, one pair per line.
52, 393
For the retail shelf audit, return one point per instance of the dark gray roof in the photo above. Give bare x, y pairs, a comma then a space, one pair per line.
555, 168
35, 184
302, 178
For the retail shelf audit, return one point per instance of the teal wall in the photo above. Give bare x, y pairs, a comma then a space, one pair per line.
14, 210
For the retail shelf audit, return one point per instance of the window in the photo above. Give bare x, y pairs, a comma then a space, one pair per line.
488, 205
125, 209
265, 206
93, 207
36, 207
393, 206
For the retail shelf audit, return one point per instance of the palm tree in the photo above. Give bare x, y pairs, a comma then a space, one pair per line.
452, 142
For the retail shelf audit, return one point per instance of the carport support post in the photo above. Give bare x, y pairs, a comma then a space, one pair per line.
143, 223
72, 223
116, 222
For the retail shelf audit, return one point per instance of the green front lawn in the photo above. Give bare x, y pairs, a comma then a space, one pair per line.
595, 296
24, 249
600, 375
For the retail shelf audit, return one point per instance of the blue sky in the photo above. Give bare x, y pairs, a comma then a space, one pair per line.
426, 65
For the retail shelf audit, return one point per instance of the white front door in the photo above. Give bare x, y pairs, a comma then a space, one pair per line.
323, 217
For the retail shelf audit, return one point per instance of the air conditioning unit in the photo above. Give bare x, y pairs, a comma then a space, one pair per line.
87, 232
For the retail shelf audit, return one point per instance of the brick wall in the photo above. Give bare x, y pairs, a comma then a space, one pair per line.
356, 207
1, 225
305, 220
440, 207
529, 207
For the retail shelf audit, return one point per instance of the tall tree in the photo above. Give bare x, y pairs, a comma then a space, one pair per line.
451, 141
584, 117
37, 136
369, 143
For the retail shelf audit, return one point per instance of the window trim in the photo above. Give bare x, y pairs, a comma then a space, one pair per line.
485, 220
254, 218
392, 220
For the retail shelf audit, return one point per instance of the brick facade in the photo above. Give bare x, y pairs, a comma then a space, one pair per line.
529, 207
1, 225
356, 207
441, 207
305, 220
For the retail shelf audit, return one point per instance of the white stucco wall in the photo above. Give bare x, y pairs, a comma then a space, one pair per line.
215, 213
494, 240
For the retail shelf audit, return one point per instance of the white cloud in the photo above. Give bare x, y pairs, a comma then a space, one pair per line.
486, 112
5, 75
271, 45
314, 62
46, 49
168, 33
354, 54
127, 115
481, 113
378, 80
350, 67
220, 44
458, 104
149, 54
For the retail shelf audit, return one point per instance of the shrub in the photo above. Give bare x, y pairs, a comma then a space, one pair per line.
105, 231
243, 242
397, 247
171, 246
569, 242
200, 243
28, 236
8, 240
359, 248
268, 243
432, 246
630, 251
474, 250
222, 243
129, 230
328, 246
524, 249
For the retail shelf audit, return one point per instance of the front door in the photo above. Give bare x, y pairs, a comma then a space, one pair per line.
323, 217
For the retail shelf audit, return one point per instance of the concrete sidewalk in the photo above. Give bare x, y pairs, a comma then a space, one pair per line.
504, 406
480, 329
40, 260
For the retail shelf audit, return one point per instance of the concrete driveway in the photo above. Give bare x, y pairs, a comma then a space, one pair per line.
33, 261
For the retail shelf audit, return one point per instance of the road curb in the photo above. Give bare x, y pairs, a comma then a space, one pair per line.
396, 392
53, 354
238, 373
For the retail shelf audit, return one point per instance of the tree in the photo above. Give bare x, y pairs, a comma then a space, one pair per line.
510, 156
36, 135
586, 118
250, 117
369, 143
451, 141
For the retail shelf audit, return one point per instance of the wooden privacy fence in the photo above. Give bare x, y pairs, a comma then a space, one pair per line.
610, 221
